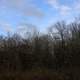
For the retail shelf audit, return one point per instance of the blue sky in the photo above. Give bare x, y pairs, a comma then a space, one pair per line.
14, 14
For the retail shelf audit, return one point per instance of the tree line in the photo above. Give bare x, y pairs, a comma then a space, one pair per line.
57, 49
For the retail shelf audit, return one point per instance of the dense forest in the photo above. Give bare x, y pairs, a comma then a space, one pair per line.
57, 51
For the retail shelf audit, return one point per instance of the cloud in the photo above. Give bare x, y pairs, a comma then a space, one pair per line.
25, 30
15, 3
25, 27
52, 3
25, 7
6, 27
34, 11
63, 9
77, 5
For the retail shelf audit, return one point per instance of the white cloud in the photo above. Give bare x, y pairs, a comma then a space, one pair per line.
53, 3
63, 9
6, 27
77, 5
25, 30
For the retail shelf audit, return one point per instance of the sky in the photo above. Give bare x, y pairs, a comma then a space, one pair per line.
17, 15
